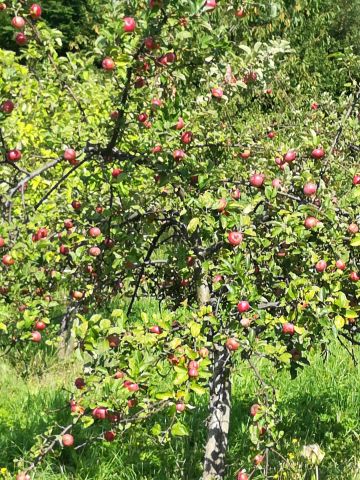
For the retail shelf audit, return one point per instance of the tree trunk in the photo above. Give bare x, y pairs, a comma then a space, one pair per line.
220, 397
219, 417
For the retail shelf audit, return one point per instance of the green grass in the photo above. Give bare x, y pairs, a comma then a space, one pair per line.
322, 405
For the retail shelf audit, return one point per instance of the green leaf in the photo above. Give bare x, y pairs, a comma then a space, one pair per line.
182, 376
193, 224
198, 389
339, 322
355, 242
195, 329
156, 429
179, 430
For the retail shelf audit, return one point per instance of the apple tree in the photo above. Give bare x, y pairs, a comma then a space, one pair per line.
173, 206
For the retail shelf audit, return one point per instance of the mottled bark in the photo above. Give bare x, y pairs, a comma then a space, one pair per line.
219, 417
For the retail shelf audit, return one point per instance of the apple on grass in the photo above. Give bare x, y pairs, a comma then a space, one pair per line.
67, 440
109, 436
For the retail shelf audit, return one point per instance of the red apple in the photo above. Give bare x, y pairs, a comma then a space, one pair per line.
150, 43
109, 242
257, 180
353, 228
13, 155
314, 106
288, 328
3, 7
133, 387
119, 374
217, 92
8, 106
245, 322
180, 124
129, 24
289, 156
77, 295
139, 82
258, 459
242, 476
271, 135
2, 242
156, 103
190, 261
340, 264
155, 329
222, 205
232, 344
243, 306
178, 155
235, 238
180, 407
318, 153
94, 251
68, 224
113, 340
155, 3
321, 266
18, 22
186, 137
142, 117
109, 436
70, 156
22, 475
210, 4
100, 413
194, 364
157, 149
354, 277
236, 194
64, 250
36, 337
245, 154
255, 409
35, 11
203, 352
21, 39
356, 179
76, 204
276, 183
108, 64
116, 172
217, 278
239, 13
40, 325
94, 232
193, 372
8, 260
67, 440
311, 222
79, 383
310, 189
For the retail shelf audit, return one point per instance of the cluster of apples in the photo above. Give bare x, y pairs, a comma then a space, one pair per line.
19, 23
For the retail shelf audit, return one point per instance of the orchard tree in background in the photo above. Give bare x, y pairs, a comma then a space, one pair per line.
177, 162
